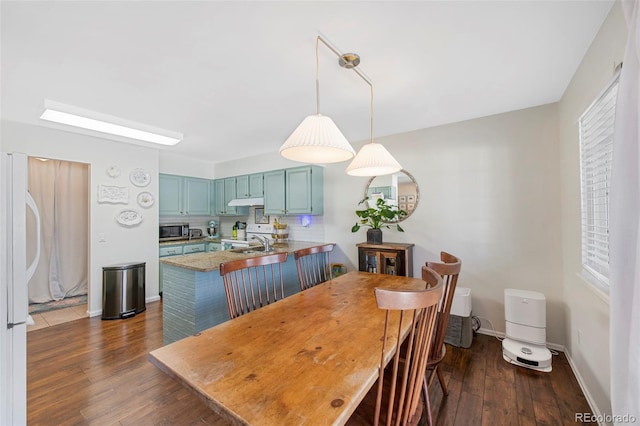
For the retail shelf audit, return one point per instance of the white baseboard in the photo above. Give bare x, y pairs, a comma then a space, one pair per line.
99, 311
585, 390
574, 369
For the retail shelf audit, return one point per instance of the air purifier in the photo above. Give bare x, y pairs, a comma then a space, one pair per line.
526, 337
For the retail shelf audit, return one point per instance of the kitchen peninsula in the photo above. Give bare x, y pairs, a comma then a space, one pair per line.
193, 292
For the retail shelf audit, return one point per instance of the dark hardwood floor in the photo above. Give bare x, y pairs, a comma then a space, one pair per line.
91, 371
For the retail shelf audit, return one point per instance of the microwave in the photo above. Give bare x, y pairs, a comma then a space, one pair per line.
174, 231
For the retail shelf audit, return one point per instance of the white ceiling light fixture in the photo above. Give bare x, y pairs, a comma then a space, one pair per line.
317, 139
373, 159
78, 117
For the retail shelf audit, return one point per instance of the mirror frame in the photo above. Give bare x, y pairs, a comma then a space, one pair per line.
409, 213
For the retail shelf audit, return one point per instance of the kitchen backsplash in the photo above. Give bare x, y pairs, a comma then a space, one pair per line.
301, 228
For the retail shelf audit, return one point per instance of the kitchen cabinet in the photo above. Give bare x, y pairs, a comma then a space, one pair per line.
184, 196
249, 186
225, 191
298, 190
193, 248
178, 250
386, 258
213, 247
171, 195
171, 250
388, 192
274, 194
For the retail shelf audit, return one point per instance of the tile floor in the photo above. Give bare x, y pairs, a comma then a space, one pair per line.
60, 316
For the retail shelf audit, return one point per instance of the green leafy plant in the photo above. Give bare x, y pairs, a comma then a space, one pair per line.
380, 216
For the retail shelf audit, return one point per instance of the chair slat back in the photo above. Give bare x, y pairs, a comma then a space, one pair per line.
448, 269
252, 283
403, 388
313, 265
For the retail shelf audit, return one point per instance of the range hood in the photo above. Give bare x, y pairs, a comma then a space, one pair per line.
247, 202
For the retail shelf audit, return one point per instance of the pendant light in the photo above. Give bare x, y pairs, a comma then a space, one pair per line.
317, 139
373, 159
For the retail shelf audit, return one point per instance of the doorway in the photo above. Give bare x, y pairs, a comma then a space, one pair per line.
60, 283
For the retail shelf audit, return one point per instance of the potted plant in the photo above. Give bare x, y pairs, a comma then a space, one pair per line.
381, 216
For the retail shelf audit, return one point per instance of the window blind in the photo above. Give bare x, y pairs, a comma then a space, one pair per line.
596, 148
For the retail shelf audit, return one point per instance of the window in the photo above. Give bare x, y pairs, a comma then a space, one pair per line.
596, 146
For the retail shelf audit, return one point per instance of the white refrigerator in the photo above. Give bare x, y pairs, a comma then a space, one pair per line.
15, 272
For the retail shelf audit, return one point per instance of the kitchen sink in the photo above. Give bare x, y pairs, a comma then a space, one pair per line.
249, 250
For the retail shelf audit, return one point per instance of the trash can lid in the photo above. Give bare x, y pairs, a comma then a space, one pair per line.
124, 265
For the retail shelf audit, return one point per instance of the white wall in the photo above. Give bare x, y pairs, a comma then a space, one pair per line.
587, 311
173, 164
488, 193
140, 243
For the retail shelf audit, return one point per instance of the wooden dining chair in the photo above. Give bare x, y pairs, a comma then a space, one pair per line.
399, 390
253, 282
313, 265
449, 269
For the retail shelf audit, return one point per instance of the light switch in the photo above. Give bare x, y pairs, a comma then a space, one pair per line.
102, 238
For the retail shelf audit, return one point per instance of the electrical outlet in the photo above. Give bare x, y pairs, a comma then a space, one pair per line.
579, 337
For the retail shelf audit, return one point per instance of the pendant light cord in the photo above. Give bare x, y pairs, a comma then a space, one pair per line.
317, 79
337, 52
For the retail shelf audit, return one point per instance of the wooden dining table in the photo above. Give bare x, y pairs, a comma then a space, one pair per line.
307, 359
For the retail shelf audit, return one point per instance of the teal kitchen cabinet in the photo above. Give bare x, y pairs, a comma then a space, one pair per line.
184, 196
219, 206
387, 192
256, 185
274, 193
171, 195
197, 196
178, 250
298, 190
249, 186
225, 191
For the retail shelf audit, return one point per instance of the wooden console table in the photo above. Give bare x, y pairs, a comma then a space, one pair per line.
386, 258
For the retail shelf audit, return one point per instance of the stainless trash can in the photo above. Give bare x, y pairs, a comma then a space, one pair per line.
123, 290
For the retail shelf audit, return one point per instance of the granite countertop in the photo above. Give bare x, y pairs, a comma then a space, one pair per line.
191, 241
207, 262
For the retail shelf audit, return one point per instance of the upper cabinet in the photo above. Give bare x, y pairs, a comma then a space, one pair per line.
225, 190
197, 196
249, 186
274, 183
294, 191
184, 196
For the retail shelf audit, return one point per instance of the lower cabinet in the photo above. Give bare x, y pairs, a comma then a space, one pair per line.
179, 250
386, 258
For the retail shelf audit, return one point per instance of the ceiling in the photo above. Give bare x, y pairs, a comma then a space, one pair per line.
236, 78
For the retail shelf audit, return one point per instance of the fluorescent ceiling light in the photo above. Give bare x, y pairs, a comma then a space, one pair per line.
78, 117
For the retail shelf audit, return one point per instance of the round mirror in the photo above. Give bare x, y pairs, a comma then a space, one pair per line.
398, 189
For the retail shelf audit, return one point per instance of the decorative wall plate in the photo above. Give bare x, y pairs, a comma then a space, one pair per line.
113, 171
129, 217
113, 194
139, 177
145, 199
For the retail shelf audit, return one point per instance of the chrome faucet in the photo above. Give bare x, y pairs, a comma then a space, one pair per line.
264, 241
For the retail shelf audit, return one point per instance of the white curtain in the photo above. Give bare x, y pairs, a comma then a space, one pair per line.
60, 190
625, 232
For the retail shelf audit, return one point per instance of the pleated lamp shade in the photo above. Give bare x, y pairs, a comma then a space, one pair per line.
373, 160
317, 140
